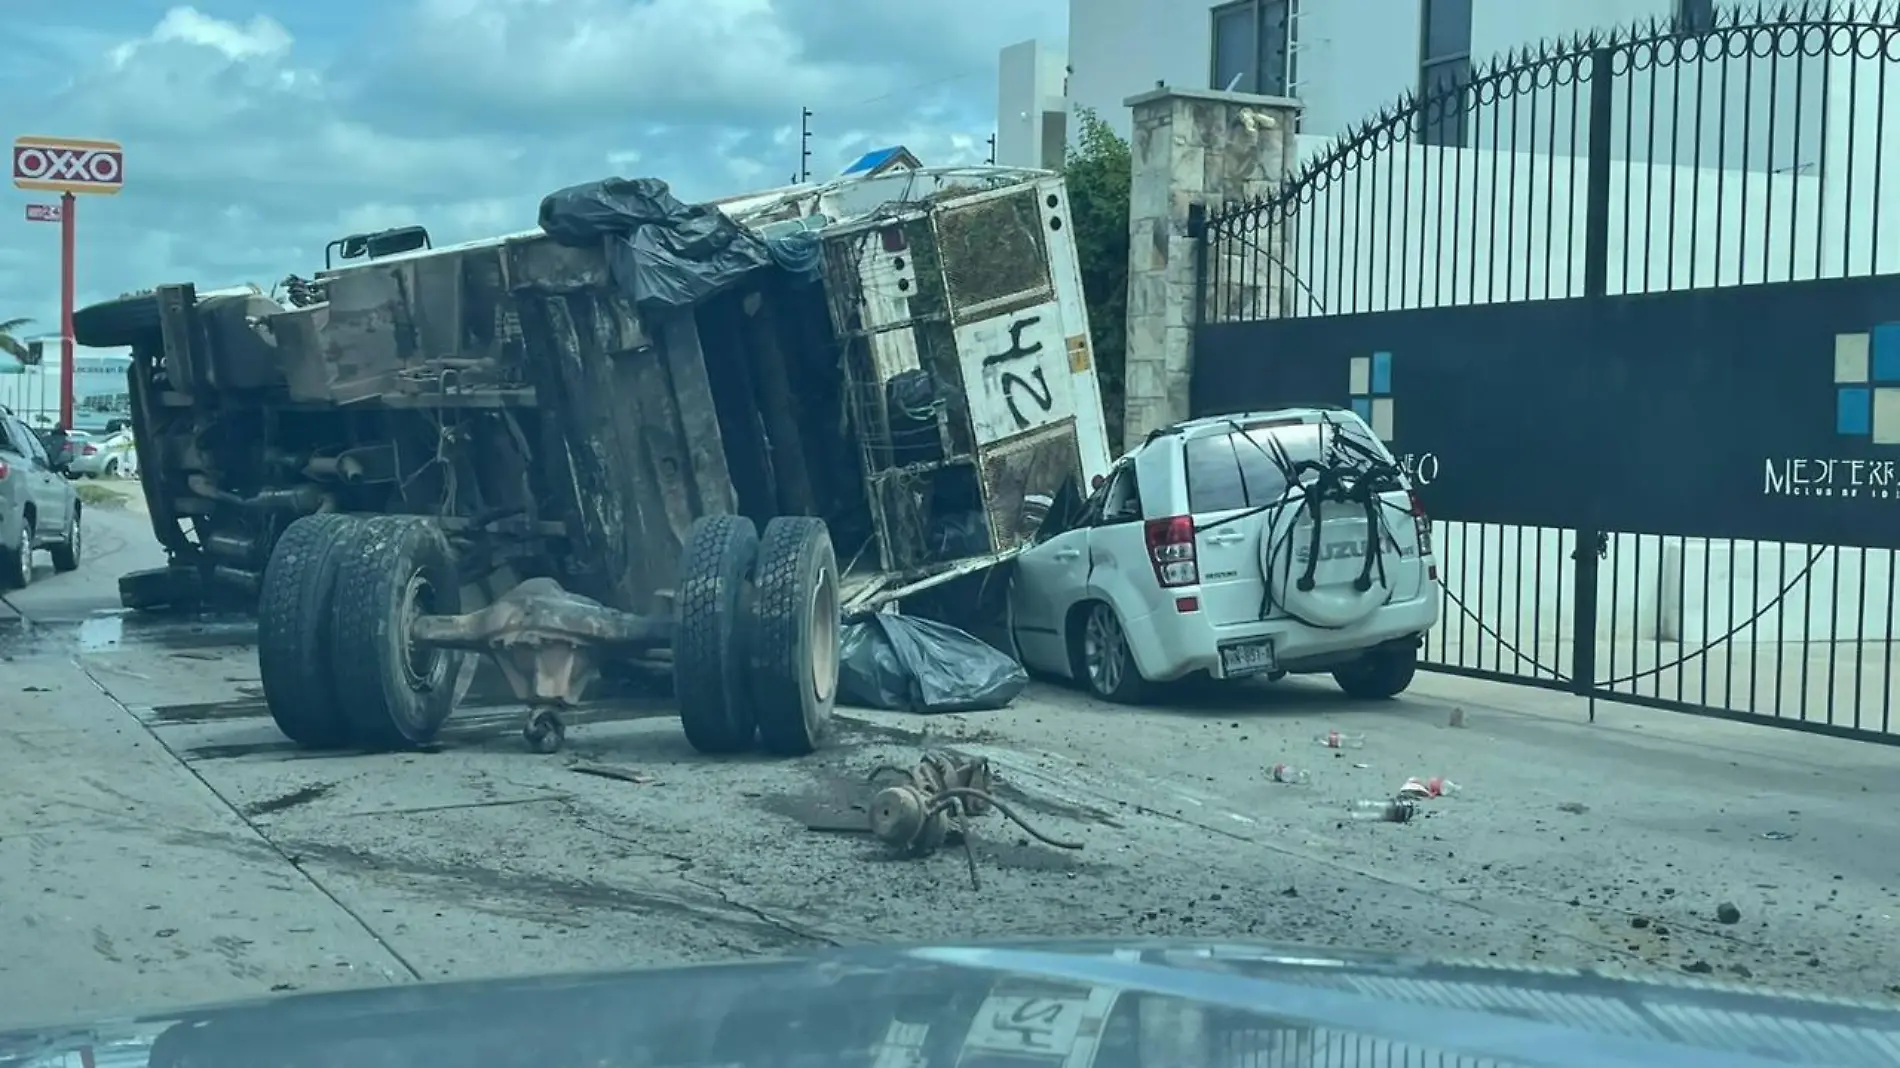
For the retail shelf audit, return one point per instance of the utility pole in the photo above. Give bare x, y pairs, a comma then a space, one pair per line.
804, 144
992, 150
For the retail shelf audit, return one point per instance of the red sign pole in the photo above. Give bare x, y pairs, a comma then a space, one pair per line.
67, 206
67, 166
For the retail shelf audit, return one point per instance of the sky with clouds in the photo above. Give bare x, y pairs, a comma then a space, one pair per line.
256, 131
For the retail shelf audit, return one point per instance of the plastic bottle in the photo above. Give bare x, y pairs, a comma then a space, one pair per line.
1339, 740
1384, 811
1436, 786
1289, 774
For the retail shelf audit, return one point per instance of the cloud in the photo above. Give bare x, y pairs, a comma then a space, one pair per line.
255, 133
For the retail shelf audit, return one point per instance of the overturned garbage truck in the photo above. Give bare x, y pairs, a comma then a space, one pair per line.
644, 431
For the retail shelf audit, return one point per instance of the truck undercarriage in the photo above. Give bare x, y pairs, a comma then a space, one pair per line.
647, 433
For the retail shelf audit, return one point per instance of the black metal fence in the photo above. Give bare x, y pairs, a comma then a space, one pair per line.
1632, 318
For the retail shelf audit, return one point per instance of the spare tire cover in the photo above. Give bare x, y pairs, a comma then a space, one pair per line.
1335, 599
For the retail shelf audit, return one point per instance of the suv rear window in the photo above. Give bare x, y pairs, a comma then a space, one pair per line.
1239, 470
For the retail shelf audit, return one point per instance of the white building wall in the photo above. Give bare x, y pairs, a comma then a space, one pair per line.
1031, 105
1355, 56
32, 393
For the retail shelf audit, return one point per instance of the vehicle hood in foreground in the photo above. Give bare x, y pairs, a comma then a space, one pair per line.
1160, 1004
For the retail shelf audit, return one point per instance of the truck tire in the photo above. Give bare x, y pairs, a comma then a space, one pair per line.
716, 709
120, 323
793, 647
16, 561
394, 695
66, 553
293, 630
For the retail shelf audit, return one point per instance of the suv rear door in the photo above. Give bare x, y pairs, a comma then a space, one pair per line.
1235, 486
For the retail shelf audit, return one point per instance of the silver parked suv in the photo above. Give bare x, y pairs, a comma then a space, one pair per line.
38, 507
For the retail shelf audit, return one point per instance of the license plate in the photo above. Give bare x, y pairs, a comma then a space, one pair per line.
1253, 658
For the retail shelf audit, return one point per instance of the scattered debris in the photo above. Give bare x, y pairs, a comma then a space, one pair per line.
34, 689
1698, 967
1457, 718
1575, 808
1339, 740
1436, 786
1289, 774
608, 771
1385, 811
1726, 912
936, 802
1778, 836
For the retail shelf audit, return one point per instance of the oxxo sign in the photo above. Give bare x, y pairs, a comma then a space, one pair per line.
66, 165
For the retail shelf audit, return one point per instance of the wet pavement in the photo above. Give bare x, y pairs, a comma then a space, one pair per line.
160, 843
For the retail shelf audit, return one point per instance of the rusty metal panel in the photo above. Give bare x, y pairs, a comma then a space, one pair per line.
630, 438
367, 338
1021, 476
299, 333
993, 254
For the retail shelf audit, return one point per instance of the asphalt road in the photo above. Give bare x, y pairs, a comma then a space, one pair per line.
160, 844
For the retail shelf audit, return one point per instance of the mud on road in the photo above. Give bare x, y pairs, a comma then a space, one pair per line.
166, 845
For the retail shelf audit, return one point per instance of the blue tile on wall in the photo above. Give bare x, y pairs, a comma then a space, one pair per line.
1382, 372
1884, 361
1362, 407
1854, 411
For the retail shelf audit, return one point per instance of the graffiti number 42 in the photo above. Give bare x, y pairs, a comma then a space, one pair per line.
1039, 392
1012, 383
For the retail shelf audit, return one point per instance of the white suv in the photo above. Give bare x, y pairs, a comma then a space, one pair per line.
1256, 544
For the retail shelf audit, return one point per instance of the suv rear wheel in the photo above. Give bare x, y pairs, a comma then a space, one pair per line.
16, 561
68, 550
1383, 672
1103, 661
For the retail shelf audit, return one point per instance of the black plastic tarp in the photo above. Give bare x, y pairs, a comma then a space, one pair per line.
908, 664
662, 252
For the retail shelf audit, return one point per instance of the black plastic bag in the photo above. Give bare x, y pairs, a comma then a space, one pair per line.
662, 252
907, 664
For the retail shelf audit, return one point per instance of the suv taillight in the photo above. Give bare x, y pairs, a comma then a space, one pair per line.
1171, 551
1422, 526
4, 469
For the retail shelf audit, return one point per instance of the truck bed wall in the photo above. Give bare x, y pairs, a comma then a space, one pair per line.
627, 449
645, 421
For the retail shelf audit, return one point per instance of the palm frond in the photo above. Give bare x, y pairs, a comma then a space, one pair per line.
9, 344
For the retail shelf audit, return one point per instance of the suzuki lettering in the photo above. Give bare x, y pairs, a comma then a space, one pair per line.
64, 165
1342, 550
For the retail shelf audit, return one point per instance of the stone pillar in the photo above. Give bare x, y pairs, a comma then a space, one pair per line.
1189, 147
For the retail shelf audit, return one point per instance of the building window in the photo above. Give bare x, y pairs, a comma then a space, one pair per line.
1253, 47
1444, 64
1695, 16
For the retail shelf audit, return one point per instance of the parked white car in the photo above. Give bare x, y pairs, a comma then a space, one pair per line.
109, 457
1259, 544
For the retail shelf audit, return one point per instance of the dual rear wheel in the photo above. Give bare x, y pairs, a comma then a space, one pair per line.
333, 649
755, 649
755, 655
